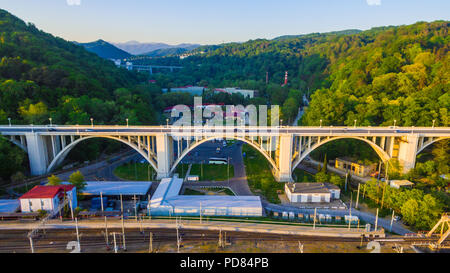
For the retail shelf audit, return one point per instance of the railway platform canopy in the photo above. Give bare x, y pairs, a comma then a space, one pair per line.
167, 201
125, 188
9, 205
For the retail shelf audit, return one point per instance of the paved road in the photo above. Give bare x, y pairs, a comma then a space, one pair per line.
238, 184
88, 130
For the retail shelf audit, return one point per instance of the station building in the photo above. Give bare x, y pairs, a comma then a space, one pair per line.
312, 192
166, 201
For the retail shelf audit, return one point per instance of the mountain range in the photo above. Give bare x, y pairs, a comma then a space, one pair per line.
137, 48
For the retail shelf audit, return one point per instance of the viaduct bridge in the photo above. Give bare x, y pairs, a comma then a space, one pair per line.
165, 146
150, 68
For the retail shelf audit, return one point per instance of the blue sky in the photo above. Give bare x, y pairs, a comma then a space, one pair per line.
213, 21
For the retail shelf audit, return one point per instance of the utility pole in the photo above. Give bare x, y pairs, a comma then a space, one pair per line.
150, 247
71, 207
382, 198
115, 242
392, 220
123, 223
200, 212
178, 237
315, 212
135, 208
148, 208
78, 235
106, 224
379, 172
228, 169
376, 221
346, 181
300, 247
31, 243
201, 170
357, 196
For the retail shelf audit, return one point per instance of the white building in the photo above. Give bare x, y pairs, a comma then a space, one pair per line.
193, 90
233, 90
311, 192
167, 201
47, 198
401, 184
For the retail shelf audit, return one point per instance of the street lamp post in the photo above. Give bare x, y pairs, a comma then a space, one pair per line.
281, 123
320, 123
434, 122
355, 123
167, 122
50, 119
395, 121
127, 122
9, 120
92, 122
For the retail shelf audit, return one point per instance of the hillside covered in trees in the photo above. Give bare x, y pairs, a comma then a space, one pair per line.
42, 76
375, 76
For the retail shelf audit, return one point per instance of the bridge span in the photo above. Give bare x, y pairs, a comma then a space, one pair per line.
165, 146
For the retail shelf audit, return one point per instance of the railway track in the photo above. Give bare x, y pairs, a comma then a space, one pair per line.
15, 240
58, 239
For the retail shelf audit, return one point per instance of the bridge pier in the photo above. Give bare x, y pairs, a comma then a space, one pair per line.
37, 153
407, 152
164, 148
285, 158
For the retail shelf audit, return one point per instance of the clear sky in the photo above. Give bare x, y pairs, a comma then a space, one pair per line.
214, 21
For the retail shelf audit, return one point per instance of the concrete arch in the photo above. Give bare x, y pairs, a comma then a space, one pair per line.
64, 152
429, 144
186, 151
15, 142
381, 153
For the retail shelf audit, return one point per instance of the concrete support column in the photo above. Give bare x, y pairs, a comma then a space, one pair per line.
285, 158
164, 147
407, 152
37, 153
390, 145
22, 141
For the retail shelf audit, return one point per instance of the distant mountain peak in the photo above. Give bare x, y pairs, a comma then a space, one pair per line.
105, 50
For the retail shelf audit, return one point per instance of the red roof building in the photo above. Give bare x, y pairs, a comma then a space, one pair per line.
47, 198
46, 191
